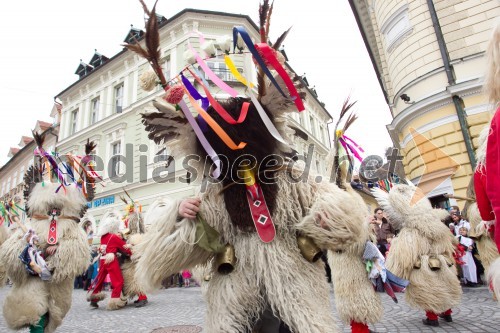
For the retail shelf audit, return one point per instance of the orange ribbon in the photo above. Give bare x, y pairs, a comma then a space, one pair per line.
213, 124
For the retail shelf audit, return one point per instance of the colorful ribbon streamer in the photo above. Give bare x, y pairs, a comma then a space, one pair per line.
348, 147
248, 41
213, 124
200, 76
51, 163
217, 107
215, 79
268, 54
203, 140
196, 95
263, 115
265, 118
354, 143
232, 68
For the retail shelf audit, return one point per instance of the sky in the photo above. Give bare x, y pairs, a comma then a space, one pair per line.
43, 42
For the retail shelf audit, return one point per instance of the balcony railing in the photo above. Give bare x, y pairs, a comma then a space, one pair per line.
224, 74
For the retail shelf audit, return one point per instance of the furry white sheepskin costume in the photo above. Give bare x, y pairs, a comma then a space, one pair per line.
30, 297
355, 297
275, 273
486, 247
423, 238
4, 234
3, 237
131, 287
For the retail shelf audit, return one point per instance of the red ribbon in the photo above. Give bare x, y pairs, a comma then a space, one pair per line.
267, 53
220, 110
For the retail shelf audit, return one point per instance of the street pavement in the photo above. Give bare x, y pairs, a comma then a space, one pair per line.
181, 310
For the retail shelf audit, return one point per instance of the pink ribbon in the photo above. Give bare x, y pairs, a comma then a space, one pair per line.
353, 142
348, 147
203, 140
215, 79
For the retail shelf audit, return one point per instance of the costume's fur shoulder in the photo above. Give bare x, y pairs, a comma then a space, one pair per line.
407, 207
136, 223
110, 223
3, 234
482, 142
86, 221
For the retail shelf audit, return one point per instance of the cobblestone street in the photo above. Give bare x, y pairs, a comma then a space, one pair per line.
181, 310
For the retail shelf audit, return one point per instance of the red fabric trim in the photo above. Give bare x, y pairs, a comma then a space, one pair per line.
431, 315
483, 203
359, 327
447, 312
493, 169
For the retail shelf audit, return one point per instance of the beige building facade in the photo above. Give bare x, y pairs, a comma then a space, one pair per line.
429, 57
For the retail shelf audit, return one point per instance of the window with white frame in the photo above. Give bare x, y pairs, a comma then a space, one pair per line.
3, 188
323, 134
396, 28
119, 98
313, 125
94, 110
74, 121
115, 159
220, 69
8, 185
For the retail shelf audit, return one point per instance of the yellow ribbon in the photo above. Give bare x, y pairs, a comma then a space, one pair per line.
230, 65
248, 175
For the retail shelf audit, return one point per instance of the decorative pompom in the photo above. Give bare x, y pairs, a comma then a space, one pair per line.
148, 80
209, 48
240, 44
174, 94
189, 57
225, 43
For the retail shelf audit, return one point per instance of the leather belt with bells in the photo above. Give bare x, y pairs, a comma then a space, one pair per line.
260, 212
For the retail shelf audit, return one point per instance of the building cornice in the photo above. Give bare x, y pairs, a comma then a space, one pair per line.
434, 102
446, 120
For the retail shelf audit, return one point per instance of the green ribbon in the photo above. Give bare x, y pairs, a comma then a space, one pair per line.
208, 238
3, 212
369, 265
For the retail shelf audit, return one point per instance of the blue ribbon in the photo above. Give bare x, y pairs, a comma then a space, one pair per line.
196, 95
248, 41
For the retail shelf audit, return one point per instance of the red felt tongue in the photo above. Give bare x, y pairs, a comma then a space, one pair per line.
52, 237
260, 214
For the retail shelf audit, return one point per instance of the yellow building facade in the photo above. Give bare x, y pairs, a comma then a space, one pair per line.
429, 57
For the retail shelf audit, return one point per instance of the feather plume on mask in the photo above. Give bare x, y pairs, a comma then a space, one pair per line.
339, 171
152, 41
166, 125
